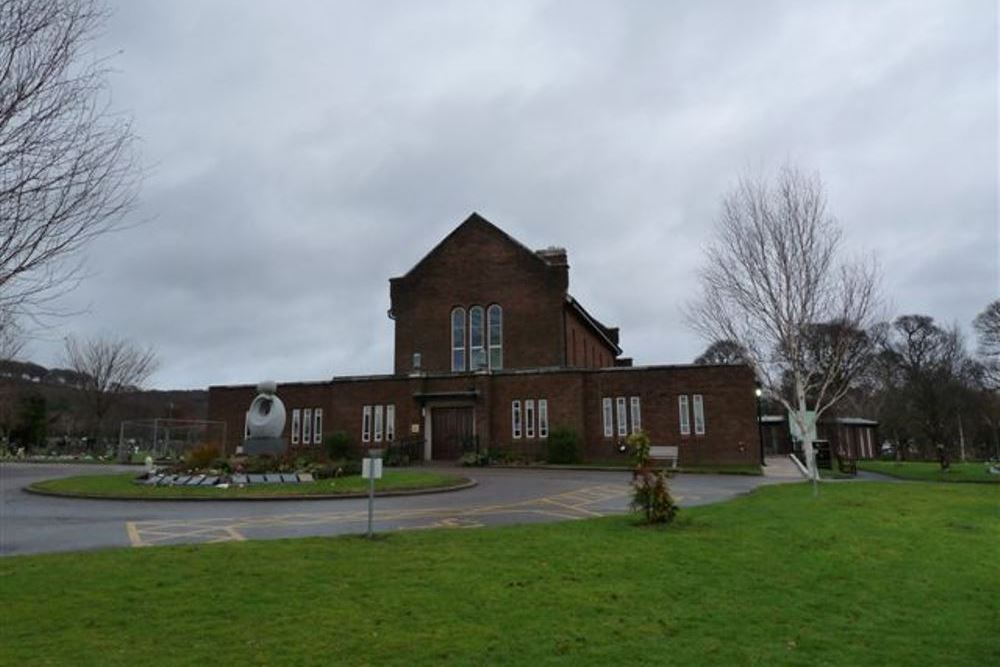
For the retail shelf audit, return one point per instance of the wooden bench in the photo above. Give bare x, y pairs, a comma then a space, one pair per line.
664, 453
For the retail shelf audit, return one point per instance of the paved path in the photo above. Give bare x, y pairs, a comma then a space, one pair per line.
782, 468
34, 524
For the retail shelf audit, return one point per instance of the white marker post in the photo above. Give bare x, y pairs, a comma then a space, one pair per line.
371, 469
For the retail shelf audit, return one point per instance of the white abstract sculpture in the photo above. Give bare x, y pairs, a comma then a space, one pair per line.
265, 421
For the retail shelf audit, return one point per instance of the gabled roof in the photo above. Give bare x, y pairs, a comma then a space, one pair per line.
607, 333
473, 220
548, 258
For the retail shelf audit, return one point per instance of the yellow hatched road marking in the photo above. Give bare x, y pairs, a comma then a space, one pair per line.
566, 505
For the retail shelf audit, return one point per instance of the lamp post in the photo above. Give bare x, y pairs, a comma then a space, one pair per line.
760, 426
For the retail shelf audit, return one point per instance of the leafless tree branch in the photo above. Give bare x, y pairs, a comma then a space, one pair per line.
109, 367
68, 167
773, 283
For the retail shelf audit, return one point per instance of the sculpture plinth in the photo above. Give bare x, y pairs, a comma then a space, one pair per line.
265, 423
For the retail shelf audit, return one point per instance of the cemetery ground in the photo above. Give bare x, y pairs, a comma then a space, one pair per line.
930, 471
867, 573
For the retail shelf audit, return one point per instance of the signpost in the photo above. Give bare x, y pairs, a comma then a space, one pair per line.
371, 469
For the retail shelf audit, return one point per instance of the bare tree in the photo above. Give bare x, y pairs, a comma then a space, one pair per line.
723, 353
108, 368
987, 326
68, 169
12, 336
773, 281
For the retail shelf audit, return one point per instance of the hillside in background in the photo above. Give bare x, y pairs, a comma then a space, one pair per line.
25, 387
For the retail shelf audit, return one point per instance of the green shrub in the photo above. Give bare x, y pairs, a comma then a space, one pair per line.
476, 458
340, 468
563, 446
201, 457
650, 494
338, 446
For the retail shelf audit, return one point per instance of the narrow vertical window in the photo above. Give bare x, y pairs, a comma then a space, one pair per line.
622, 417
685, 419
246, 425
296, 415
317, 426
390, 423
366, 423
515, 419
307, 415
609, 419
529, 419
698, 405
543, 418
378, 423
495, 317
635, 413
458, 339
477, 338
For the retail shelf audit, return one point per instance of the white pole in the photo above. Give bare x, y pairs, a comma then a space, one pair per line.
961, 437
371, 496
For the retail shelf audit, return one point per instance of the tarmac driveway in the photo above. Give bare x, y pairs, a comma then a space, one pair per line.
34, 524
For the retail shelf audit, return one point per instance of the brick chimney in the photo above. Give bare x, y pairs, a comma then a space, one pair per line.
553, 256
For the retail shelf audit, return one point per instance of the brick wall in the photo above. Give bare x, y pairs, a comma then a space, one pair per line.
584, 348
477, 264
574, 401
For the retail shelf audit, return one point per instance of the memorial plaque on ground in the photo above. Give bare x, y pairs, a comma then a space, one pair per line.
272, 478
290, 479
239, 479
306, 477
255, 479
209, 481
194, 480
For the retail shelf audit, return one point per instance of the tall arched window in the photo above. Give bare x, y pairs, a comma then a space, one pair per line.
458, 339
495, 318
477, 338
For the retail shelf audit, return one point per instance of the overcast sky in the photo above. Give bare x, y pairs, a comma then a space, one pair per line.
301, 153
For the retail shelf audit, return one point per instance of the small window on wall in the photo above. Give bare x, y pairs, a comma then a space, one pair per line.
246, 425
390, 423
622, 417
458, 339
307, 426
636, 414
609, 418
515, 419
317, 426
296, 422
543, 418
477, 338
495, 334
685, 418
378, 423
699, 414
366, 423
529, 419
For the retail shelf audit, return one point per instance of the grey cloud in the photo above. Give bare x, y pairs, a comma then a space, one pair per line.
304, 153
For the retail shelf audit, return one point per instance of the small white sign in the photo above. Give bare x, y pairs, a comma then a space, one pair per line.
367, 471
796, 432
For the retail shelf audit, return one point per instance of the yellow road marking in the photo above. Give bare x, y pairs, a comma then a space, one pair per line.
133, 534
571, 505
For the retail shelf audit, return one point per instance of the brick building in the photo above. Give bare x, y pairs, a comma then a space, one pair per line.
491, 351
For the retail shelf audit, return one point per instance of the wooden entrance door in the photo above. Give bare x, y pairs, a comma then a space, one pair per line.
451, 429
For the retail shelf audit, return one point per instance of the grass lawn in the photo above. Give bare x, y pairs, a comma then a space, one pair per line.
122, 485
868, 573
930, 471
